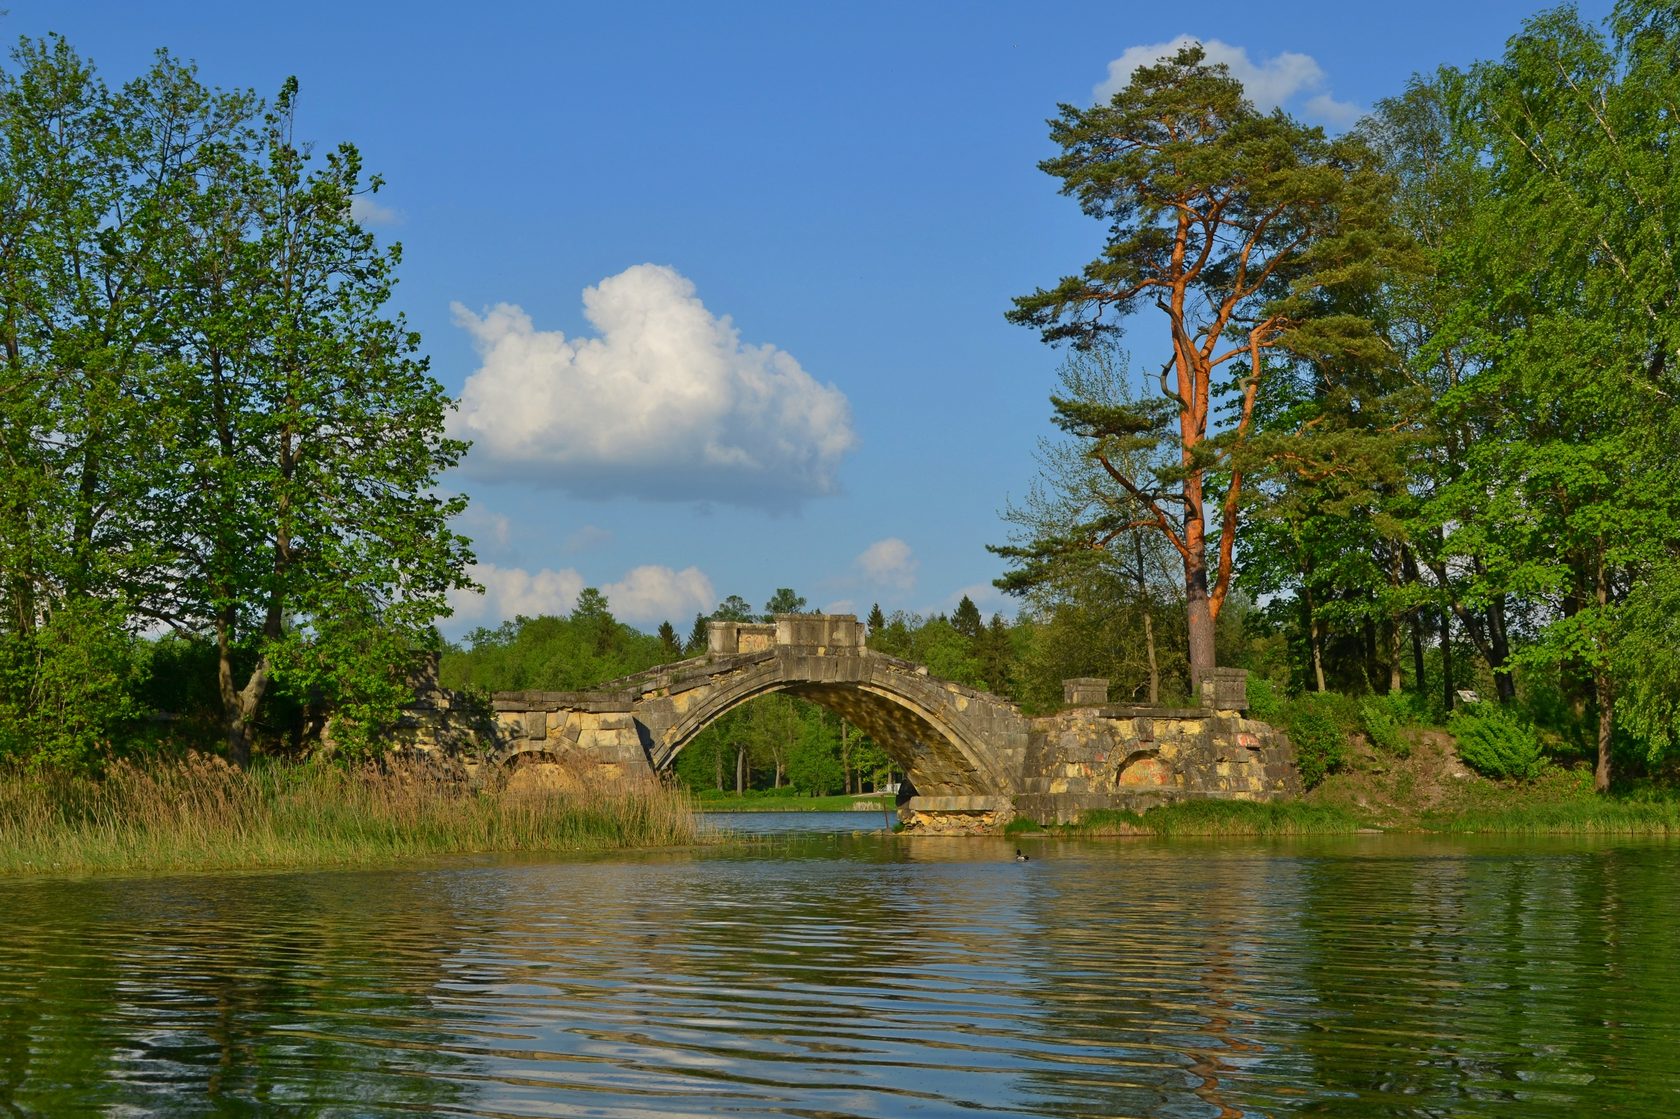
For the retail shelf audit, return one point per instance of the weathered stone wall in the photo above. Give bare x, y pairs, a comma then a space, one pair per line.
1138, 757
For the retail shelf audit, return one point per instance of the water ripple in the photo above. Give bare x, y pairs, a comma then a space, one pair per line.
863, 975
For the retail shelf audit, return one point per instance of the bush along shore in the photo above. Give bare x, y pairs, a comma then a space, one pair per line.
200, 813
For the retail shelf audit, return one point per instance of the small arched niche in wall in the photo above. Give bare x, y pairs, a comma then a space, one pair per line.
1143, 769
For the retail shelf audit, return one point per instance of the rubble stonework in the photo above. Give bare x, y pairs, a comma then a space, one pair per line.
1138, 757
974, 760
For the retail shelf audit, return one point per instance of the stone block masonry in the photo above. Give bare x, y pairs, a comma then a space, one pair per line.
974, 760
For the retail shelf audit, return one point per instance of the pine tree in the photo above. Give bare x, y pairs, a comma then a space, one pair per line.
1234, 223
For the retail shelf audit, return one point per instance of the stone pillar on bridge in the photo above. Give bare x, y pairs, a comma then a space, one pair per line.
1085, 691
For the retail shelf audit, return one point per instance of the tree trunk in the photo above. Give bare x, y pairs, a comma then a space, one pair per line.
1396, 572
1417, 652
1396, 683
1200, 618
1315, 644
846, 760
1373, 667
1604, 688
1500, 656
1154, 668
717, 759
239, 705
1604, 691
1447, 690
1148, 620
740, 770
1198, 609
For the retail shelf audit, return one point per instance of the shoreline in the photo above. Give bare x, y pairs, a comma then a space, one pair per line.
199, 814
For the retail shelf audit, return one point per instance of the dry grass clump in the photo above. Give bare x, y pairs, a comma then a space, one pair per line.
201, 813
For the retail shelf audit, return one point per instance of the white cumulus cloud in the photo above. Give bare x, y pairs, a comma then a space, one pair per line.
665, 403
644, 597
653, 593
368, 212
512, 591
888, 563
1271, 84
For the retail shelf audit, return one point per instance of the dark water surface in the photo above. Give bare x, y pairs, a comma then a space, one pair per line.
864, 975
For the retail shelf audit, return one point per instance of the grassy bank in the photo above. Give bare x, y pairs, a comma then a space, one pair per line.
791, 802
203, 814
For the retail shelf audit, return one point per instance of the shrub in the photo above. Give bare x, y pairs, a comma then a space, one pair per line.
1495, 743
1317, 726
1380, 719
1264, 703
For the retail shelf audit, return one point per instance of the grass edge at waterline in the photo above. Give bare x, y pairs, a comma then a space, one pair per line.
201, 814
1222, 817
1510, 812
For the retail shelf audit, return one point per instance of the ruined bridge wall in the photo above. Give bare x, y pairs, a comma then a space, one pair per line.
1138, 757
974, 759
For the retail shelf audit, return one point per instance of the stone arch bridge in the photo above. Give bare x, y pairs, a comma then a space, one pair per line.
973, 758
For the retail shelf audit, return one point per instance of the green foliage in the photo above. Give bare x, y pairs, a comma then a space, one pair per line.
1381, 721
67, 688
1496, 743
814, 764
698, 636
1264, 702
784, 601
966, 620
212, 420
559, 654
1318, 725
734, 609
1647, 662
1244, 817
668, 643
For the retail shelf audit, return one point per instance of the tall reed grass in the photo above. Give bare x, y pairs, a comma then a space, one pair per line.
200, 813
1598, 816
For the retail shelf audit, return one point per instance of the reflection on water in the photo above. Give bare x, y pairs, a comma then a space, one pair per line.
864, 974
798, 823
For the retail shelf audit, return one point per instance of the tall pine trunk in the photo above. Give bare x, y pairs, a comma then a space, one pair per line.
1198, 607
1148, 621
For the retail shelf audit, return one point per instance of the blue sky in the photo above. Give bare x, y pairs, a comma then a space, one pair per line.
721, 286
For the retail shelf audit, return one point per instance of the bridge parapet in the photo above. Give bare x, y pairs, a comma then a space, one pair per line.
822, 634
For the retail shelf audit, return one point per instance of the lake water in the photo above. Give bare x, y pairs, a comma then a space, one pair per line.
849, 973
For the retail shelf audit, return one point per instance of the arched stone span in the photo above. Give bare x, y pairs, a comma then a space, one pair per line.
950, 740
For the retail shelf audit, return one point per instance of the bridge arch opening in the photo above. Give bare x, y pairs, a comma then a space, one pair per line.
935, 756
